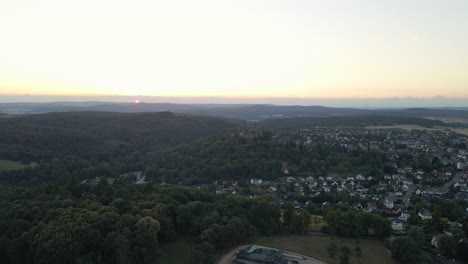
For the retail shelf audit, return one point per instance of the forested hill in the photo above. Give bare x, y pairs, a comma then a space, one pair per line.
342, 121
75, 141
55, 130
237, 158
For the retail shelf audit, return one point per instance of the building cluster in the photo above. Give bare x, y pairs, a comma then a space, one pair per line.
422, 165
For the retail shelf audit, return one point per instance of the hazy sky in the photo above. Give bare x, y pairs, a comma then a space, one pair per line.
241, 48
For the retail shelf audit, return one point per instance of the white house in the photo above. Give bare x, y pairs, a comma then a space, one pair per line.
360, 177
425, 214
389, 202
397, 225
435, 241
256, 181
404, 217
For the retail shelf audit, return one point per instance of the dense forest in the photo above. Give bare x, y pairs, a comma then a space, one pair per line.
124, 222
238, 158
98, 134
89, 144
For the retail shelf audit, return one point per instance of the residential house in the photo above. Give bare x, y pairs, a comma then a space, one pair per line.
425, 214
256, 181
397, 225
389, 202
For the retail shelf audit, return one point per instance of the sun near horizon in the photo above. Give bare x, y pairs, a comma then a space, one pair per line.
320, 49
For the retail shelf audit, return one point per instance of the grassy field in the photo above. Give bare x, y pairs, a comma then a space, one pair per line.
8, 165
373, 251
463, 131
176, 252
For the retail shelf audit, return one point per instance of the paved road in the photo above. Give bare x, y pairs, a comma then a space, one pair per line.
229, 257
407, 196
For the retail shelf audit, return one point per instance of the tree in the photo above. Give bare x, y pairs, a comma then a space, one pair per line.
121, 248
357, 249
316, 221
146, 239
288, 216
382, 227
209, 236
462, 250
202, 254
305, 221
458, 234
437, 221
332, 250
417, 234
447, 245
344, 256
407, 251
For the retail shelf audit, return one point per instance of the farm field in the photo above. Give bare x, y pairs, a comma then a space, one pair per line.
373, 251
463, 131
8, 165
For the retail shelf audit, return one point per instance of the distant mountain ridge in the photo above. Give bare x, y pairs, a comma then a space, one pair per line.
233, 111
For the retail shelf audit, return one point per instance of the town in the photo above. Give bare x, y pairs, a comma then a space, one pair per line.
422, 168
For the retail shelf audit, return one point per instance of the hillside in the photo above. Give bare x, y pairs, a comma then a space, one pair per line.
87, 140
54, 131
238, 158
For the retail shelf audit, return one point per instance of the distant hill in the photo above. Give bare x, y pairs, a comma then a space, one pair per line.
246, 112
233, 111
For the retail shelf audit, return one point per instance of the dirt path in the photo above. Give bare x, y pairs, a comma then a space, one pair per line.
229, 257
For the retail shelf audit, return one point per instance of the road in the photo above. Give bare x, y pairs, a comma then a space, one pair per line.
407, 196
301, 259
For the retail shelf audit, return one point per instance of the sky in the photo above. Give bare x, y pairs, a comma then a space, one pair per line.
303, 49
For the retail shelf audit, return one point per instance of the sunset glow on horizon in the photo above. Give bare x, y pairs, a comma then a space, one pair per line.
242, 48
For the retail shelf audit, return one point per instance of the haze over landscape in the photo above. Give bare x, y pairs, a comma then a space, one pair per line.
233, 132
